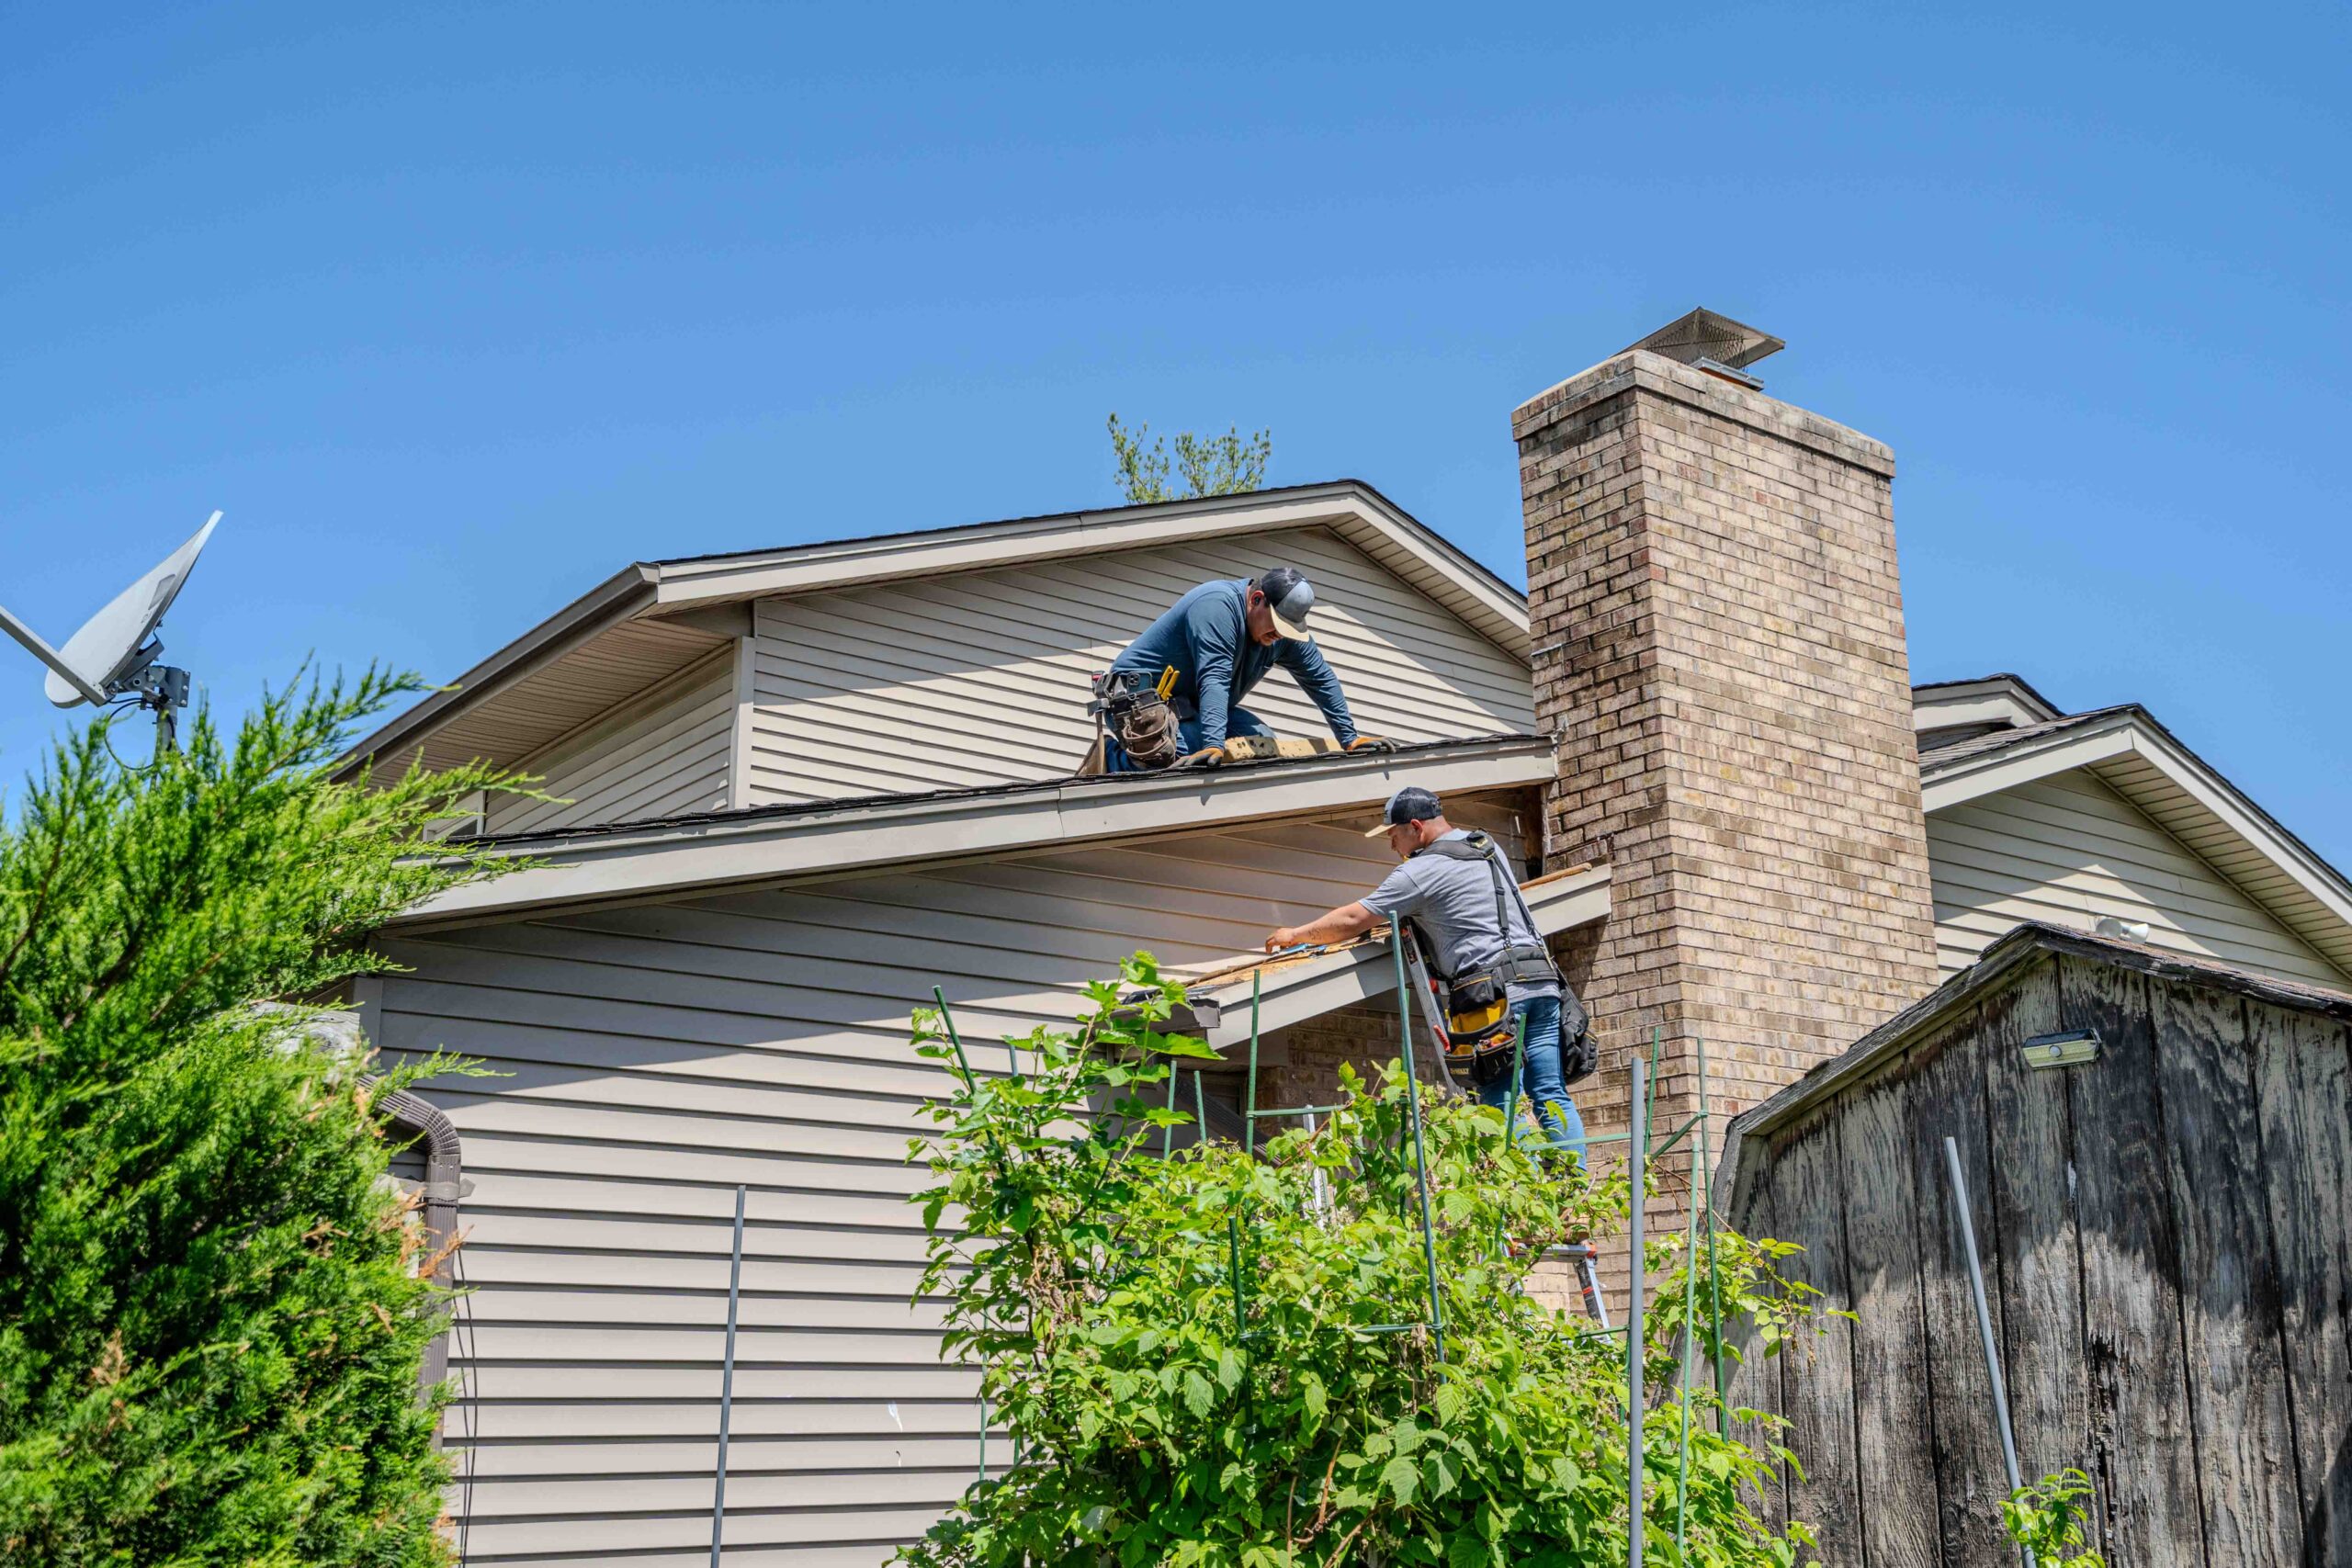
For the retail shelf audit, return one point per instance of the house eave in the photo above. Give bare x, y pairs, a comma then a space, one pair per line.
729, 852
2129, 751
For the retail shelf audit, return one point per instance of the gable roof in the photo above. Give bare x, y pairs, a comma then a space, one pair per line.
2125, 748
653, 618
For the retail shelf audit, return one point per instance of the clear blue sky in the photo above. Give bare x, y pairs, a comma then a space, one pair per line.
457, 309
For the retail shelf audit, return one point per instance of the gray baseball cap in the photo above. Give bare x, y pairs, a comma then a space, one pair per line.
1290, 596
1411, 804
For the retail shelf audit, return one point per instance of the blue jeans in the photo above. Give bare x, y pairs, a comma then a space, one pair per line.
1541, 1077
1238, 722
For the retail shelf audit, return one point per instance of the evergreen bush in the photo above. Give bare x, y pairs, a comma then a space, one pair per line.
211, 1310
1197, 1358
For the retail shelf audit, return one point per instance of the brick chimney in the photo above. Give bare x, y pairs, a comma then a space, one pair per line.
1718, 636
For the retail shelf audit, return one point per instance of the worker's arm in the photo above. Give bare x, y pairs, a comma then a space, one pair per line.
1305, 662
1332, 925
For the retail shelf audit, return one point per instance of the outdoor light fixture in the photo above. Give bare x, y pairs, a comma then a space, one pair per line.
2070, 1049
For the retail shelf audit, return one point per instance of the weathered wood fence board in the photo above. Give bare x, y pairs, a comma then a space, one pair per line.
2303, 1084
2229, 1284
1947, 1100
1817, 1377
2166, 1237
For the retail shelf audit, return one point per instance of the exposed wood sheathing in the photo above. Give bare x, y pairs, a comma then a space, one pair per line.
2163, 1232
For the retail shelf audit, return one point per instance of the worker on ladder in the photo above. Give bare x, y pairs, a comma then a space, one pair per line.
1488, 962
1170, 700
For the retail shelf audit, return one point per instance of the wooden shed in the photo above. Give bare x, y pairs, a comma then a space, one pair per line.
2165, 1232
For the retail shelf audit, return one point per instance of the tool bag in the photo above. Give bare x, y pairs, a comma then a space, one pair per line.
1475, 1004
1138, 718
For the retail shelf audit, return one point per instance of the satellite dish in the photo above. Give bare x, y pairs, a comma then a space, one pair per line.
114, 653
112, 644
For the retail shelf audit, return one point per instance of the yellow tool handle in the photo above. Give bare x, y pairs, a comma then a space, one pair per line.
1167, 682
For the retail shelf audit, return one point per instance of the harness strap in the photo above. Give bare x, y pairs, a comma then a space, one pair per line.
1522, 963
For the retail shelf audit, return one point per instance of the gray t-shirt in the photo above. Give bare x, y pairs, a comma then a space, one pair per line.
1453, 902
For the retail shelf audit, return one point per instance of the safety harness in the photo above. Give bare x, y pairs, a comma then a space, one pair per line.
1476, 1003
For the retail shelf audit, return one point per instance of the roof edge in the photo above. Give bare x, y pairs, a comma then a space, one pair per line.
2024, 943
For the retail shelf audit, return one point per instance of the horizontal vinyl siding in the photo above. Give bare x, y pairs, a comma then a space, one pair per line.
2070, 850
664, 755
651, 1058
981, 678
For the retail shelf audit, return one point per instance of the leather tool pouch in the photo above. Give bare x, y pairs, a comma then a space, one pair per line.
1139, 719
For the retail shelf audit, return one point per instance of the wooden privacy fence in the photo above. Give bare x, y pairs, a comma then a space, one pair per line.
2166, 1236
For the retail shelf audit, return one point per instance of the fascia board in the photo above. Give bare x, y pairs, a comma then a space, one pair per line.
1986, 705
618, 597
2216, 795
1964, 778
1339, 979
708, 856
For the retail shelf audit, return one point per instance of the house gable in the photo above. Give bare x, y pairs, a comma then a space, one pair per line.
982, 678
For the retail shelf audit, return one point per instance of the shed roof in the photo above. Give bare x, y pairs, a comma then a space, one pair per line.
2001, 963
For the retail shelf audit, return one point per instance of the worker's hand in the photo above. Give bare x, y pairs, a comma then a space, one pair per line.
1206, 757
1372, 743
1288, 936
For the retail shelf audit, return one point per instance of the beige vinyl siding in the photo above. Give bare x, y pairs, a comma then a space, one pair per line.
653, 1057
2070, 850
981, 678
667, 754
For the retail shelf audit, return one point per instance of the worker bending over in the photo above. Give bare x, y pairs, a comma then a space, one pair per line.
1454, 892
1169, 700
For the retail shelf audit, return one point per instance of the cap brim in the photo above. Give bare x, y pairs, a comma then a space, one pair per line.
1375, 832
1296, 633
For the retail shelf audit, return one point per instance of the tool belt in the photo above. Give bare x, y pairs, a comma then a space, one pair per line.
1476, 1003
1138, 718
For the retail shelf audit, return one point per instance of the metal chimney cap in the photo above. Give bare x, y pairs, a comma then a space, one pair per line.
1702, 335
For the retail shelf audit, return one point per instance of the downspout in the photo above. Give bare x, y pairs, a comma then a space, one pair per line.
444, 1185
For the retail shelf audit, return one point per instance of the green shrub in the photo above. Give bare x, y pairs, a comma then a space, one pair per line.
1193, 1357
210, 1320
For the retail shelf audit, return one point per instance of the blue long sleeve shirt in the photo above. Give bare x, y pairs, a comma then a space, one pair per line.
1205, 635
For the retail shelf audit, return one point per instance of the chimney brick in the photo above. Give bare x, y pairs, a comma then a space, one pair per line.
1717, 622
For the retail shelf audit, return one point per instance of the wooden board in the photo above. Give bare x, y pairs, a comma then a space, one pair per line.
1896, 1464
1817, 1376
2229, 1278
2139, 1393
2303, 1093
1947, 1100
1753, 1383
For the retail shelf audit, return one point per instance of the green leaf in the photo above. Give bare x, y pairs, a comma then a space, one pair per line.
1449, 1401
1313, 1395
1198, 1395
1228, 1370
1400, 1476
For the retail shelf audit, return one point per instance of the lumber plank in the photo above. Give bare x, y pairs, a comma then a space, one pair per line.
1817, 1376
2139, 1386
1895, 1462
1948, 1100
2229, 1278
2303, 1091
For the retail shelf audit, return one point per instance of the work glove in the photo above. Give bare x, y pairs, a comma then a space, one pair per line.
1372, 743
1206, 757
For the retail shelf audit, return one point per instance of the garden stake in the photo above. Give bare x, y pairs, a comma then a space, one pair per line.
1249, 1103
1167, 1132
1510, 1110
1421, 1157
1689, 1304
954, 1039
1714, 1273
1637, 1148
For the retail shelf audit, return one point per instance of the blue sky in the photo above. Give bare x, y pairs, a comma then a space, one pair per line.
457, 309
